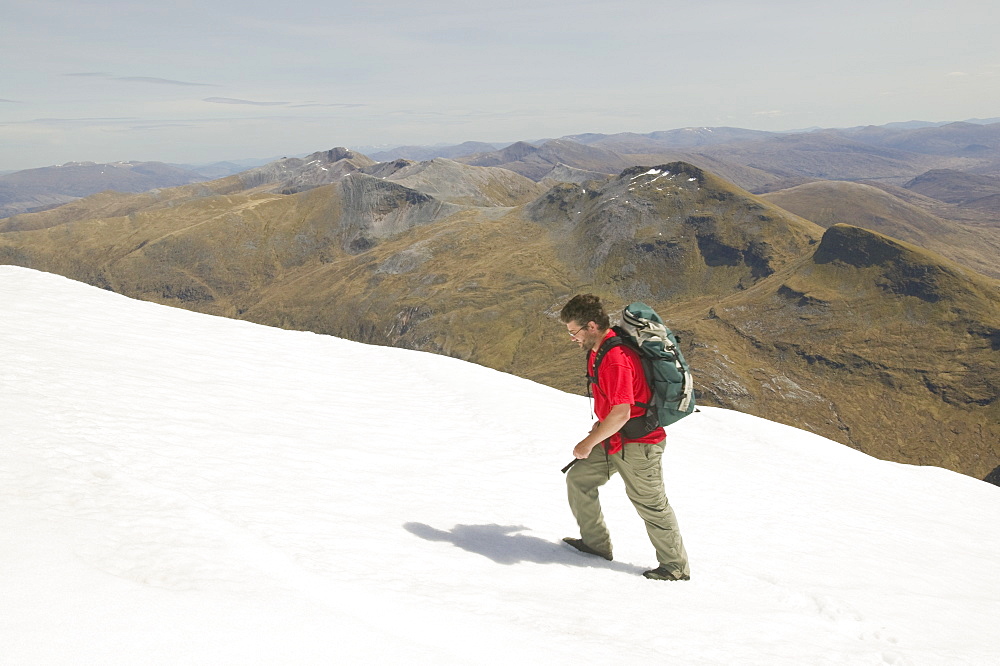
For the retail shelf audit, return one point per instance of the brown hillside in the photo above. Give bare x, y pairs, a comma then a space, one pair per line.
867, 335
831, 202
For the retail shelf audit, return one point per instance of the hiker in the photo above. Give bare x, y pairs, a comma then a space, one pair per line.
618, 386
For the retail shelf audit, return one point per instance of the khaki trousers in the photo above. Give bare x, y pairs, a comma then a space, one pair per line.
639, 466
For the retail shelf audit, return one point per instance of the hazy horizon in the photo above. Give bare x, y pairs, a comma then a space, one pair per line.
227, 80
252, 160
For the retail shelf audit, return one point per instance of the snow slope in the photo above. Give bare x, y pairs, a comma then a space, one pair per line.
180, 488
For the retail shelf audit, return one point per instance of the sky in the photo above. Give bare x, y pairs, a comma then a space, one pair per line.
186, 489
197, 82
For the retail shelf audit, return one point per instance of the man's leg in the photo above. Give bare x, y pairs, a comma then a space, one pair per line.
643, 477
582, 483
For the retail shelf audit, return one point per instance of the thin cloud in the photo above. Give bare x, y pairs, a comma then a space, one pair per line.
159, 126
155, 80
75, 121
159, 81
417, 113
339, 106
10, 101
231, 100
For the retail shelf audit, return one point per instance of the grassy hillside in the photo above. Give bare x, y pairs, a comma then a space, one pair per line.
831, 202
869, 326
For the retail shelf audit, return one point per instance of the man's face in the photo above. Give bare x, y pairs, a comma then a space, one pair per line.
586, 336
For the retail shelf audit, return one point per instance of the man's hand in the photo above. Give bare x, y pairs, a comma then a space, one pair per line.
616, 418
583, 449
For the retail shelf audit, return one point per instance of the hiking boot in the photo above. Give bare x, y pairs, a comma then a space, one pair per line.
584, 548
663, 573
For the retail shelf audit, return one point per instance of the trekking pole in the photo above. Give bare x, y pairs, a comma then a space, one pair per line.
573, 462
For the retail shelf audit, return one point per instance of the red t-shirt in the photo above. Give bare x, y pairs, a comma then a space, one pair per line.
621, 382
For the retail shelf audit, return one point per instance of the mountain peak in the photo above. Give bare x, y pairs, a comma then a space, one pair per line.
292, 174
334, 155
673, 219
675, 168
519, 150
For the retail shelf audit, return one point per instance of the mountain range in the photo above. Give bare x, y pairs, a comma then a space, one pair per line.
846, 308
755, 160
38, 189
763, 161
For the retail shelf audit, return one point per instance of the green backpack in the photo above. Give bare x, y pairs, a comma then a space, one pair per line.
666, 371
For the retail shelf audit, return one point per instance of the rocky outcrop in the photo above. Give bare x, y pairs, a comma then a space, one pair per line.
562, 173
994, 476
374, 209
458, 183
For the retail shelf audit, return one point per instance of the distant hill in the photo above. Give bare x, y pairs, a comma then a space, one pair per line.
828, 155
425, 153
223, 169
842, 331
951, 139
37, 189
535, 162
919, 124
688, 137
835, 202
958, 187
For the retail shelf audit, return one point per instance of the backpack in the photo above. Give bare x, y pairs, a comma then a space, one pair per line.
663, 364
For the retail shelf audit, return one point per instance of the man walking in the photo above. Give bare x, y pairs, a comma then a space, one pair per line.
617, 388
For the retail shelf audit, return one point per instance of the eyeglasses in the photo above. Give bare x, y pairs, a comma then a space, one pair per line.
573, 334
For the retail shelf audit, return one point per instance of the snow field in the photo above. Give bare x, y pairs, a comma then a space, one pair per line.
179, 488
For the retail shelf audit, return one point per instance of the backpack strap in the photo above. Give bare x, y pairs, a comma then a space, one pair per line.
606, 346
638, 426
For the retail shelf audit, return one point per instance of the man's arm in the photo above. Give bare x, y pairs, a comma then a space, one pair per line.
617, 418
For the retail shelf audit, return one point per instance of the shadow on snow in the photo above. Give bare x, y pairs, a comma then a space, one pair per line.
503, 545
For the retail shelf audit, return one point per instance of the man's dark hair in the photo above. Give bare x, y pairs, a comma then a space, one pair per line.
585, 308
